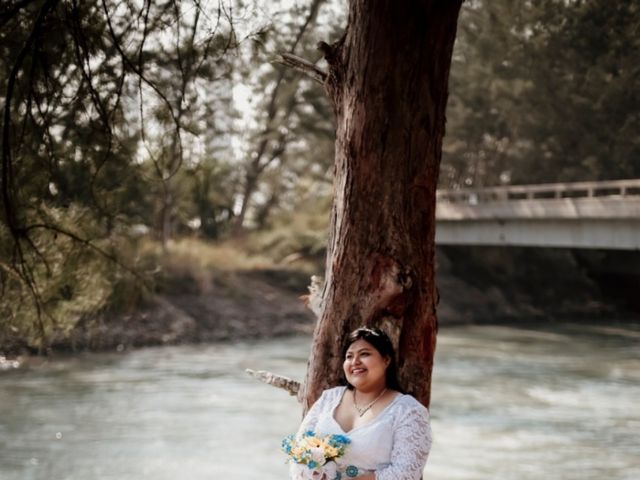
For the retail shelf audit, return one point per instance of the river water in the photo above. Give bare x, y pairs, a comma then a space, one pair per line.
541, 402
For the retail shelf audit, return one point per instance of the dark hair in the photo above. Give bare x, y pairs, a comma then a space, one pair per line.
382, 343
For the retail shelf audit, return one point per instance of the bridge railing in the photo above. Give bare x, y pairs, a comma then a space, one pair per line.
474, 196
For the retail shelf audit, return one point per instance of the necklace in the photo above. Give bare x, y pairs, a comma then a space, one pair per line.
365, 409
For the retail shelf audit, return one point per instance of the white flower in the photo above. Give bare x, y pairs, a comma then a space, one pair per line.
330, 470
317, 454
300, 471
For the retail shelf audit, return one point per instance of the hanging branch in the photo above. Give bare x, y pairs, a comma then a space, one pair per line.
87, 243
21, 234
134, 68
7, 172
18, 233
81, 50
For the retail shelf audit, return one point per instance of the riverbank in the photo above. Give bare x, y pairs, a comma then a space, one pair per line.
229, 306
512, 285
206, 304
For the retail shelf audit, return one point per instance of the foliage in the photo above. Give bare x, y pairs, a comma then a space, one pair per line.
71, 281
543, 92
290, 133
298, 236
102, 107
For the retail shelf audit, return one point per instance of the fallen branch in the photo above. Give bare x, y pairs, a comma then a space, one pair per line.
291, 386
308, 68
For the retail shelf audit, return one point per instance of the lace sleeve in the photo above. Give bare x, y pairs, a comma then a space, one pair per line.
310, 420
411, 445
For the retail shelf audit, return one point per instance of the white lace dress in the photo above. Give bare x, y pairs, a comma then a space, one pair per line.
395, 444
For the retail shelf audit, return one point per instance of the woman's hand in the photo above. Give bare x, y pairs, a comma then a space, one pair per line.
366, 476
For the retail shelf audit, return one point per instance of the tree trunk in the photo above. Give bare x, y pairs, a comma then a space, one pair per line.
257, 166
388, 80
250, 183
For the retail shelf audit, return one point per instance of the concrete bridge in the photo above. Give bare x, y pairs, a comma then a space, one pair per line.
597, 215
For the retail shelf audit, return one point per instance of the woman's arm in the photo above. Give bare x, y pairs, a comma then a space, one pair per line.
411, 445
310, 420
368, 476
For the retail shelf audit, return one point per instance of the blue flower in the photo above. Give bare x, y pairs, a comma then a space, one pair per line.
312, 464
339, 440
286, 443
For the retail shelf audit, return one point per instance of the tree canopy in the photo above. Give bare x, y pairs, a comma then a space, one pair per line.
124, 121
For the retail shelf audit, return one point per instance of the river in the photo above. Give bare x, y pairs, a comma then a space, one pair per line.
528, 403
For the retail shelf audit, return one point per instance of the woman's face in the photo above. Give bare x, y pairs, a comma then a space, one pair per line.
364, 367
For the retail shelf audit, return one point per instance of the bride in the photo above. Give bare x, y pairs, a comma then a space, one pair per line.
389, 431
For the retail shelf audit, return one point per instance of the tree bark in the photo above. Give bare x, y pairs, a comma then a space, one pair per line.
388, 81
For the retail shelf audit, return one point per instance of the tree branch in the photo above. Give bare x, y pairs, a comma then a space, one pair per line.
291, 386
87, 243
7, 174
134, 68
308, 68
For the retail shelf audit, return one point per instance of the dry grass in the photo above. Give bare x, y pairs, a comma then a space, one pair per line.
195, 254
